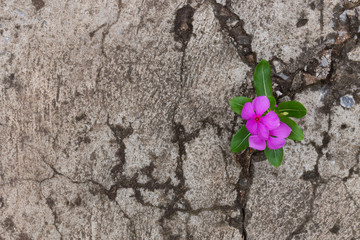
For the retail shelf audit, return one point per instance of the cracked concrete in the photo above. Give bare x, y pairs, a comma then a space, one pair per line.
115, 122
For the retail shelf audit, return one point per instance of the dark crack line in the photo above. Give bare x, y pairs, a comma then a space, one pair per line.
223, 153
98, 74
187, 230
181, 138
234, 125
315, 179
182, 82
120, 133
183, 30
51, 204
354, 169
92, 33
241, 40
103, 190
350, 196
107, 29
132, 223
243, 186
233, 25
342, 28
308, 217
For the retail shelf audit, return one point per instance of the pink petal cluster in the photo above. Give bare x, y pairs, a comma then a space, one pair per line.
264, 129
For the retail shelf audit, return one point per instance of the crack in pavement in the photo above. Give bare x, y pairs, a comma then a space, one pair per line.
120, 133
50, 203
315, 179
243, 185
345, 31
183, 30
234, 27
107, 29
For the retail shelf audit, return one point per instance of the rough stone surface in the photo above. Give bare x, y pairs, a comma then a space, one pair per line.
115, 122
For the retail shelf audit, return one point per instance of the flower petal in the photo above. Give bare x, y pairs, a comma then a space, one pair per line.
247, 111
251, 126
257, 143
275, 143
271, 120
263, 131
283, 131
260, 105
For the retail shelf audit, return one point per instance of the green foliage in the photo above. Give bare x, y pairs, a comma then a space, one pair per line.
240, 140
272, 102
262, 81
291, 109
284, 110
274, 157
237, 103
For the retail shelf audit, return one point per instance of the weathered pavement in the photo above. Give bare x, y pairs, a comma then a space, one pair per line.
115, 121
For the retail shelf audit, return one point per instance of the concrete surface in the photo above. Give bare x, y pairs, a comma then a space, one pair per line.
115, 122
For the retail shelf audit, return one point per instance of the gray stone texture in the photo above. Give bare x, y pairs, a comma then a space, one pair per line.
115, 122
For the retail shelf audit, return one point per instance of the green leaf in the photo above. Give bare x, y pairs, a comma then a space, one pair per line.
262, 81
275, 157
296, 132
272, 102
291, 109
237, 103
240, 140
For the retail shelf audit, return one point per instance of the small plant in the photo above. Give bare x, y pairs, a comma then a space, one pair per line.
267, 125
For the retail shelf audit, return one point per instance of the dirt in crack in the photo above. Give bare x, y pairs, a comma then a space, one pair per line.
38, 4
120, 133
243, 185
183, 24
234, 26
181, 137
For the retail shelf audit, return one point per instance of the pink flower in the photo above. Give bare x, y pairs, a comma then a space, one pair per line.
267, 128
276, 138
